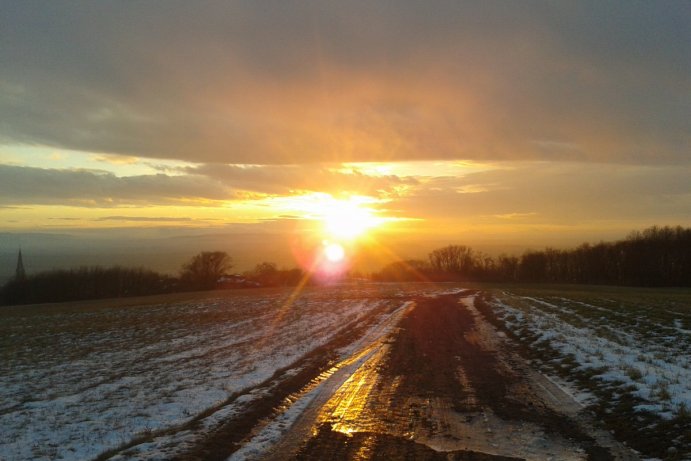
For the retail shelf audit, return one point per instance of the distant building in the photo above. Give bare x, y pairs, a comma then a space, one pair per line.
20, 274
235, 281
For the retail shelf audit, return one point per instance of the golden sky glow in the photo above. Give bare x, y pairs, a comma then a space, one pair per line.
340, 218
484, 123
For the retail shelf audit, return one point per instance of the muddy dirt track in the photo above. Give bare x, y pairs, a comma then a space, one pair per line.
442, 385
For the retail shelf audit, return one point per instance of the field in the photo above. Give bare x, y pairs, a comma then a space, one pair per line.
78, 381
624, 352
209, 375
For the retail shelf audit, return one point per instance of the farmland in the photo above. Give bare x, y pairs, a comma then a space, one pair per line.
78, 381
399, 370
625, 353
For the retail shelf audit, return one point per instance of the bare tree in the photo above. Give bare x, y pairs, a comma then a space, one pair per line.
204, 270
266, 273
456, 259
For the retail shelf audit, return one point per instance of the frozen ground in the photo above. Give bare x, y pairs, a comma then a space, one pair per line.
632, 355
649, 355
152, 380
75, 383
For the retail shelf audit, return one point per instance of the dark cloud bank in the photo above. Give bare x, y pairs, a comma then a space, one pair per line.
291, 82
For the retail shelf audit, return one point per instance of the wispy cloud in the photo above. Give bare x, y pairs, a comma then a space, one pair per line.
286, 179
514, 215
560, 193
205, 185
116, 159
88, 188
161, 219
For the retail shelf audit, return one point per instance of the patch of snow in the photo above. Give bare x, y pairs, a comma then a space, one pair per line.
73, 385
617, 347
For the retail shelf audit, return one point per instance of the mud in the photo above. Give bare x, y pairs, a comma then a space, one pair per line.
436, 381
227, 438
443, 389
332, 445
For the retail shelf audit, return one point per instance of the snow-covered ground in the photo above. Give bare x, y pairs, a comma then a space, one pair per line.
75, 383
642, 349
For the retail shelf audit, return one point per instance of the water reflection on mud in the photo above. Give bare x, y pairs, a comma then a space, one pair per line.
348, 410
430, 393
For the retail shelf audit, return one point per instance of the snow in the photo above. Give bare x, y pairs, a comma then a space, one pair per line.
76, 384
268, 437
637, 349
260, 444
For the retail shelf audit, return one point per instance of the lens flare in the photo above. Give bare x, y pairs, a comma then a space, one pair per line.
334, 252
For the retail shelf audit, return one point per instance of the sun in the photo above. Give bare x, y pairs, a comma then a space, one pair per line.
333, 234
347, 219
343, 219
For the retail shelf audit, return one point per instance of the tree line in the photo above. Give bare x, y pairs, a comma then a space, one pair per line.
205, 271
654, 257
84, 283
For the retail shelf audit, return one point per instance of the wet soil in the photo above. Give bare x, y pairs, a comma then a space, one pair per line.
442, 385
228, 437
440, 390
332, 445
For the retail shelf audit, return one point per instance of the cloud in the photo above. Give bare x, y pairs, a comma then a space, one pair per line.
201, 185
289, 83
289, 179
563, 194
144, 219
116, 159
25, 185
514, 215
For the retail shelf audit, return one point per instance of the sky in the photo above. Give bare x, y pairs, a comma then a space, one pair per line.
504, 125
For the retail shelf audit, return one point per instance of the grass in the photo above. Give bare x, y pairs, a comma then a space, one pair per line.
633, 331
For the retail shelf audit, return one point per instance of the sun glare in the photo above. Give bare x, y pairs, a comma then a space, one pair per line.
347, 219
330, 234
338, 219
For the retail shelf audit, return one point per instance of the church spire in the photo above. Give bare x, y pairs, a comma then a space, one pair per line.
21, 273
